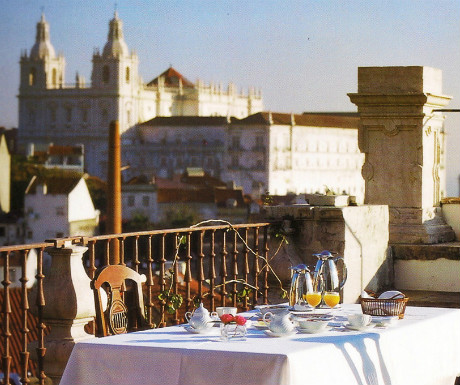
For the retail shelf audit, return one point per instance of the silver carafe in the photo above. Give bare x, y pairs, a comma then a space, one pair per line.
326, 276
301, 283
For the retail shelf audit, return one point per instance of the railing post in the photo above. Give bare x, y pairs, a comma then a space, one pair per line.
69, 306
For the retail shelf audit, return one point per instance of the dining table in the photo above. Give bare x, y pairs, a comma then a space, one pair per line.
423, 348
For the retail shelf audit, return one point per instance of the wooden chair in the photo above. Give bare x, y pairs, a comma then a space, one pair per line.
125, 303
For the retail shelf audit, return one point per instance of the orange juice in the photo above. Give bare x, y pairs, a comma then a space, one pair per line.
313, 298
331, 298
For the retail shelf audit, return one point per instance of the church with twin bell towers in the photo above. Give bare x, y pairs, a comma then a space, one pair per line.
54, 111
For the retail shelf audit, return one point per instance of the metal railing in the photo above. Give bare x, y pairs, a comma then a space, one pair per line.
224, 265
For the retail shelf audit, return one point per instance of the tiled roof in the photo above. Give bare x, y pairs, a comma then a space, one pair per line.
342, 120
65, 150
186, 121
171, 79
55, 185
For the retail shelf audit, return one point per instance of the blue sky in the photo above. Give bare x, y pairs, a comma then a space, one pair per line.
303, 54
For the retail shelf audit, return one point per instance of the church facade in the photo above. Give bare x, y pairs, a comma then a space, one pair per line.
52, 111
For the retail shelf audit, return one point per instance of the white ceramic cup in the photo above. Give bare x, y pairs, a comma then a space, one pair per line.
225, 310
359, 320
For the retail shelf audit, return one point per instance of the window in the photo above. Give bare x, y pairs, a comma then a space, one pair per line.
259, 142
29, 234
84, 115
54, 77
60, 211
105, 74
127, 74
59, 235
2, 231
145, 201
130, 200
32, 76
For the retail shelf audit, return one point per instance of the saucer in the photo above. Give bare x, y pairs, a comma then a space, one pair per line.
384, 321
191, 329
260, 325
359, 328
307, 331
273, 334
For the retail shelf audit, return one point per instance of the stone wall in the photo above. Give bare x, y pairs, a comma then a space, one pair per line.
358, 233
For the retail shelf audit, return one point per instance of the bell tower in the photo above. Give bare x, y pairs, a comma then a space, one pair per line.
42, 69
115, 74
116, 68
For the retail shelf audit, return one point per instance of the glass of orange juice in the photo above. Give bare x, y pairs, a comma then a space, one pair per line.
331, 298
313, 298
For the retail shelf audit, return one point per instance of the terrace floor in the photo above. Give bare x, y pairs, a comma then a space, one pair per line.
433, 298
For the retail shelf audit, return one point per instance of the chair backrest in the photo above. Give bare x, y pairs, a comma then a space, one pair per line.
125, 303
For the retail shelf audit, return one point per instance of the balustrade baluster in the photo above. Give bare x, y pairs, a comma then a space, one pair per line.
200, 270
24, 354
162, 279
212, 269
223, 268
266, 269
6, 313
150, 303
245, 267
176, 274
235, 268
121, 248
188, 275
40, 302
256, 265
107, 252
92, 258
136, 261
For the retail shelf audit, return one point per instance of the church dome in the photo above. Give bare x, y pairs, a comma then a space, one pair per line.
115, 46
42, 47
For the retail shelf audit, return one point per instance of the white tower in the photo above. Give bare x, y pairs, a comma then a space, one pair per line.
116, 72
42, 68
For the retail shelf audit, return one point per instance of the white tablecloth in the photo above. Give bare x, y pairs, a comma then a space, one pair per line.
423, 348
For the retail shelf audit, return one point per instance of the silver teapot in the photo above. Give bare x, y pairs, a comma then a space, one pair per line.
326, 276
301, 283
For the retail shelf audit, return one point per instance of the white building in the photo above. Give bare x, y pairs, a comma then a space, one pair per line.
287, 153
50, 110
58, 207
265, 152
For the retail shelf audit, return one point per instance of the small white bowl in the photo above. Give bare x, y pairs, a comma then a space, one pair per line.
312, 326
384, 321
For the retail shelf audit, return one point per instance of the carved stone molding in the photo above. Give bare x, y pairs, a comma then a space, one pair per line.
367, 171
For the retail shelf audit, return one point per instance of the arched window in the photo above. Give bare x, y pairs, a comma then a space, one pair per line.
32, 76
54, 77
105, 74
127, 74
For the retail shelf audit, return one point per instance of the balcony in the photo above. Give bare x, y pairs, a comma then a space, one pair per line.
220, 265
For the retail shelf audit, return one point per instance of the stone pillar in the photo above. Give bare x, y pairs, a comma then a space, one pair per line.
402, 137
69, 307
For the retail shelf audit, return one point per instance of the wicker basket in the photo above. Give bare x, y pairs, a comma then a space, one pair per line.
384, 307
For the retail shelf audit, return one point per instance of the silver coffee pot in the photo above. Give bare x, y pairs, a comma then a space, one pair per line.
301, 283
326, 276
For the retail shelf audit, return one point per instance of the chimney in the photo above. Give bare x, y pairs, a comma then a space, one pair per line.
113, 224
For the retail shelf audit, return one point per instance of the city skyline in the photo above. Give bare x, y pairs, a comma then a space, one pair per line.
303, 55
